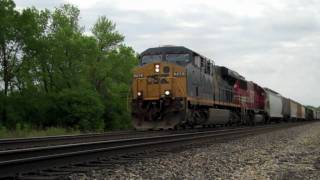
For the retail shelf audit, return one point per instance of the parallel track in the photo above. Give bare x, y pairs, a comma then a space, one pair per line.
37, 158
22, 143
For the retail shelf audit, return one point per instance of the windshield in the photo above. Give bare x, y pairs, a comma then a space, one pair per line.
150, 58
178, 57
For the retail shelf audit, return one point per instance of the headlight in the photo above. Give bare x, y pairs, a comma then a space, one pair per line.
157, 68
139, 93
167, 92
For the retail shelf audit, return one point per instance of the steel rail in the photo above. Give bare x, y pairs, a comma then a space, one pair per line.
6, 141
5, 154
24, 160
20, 143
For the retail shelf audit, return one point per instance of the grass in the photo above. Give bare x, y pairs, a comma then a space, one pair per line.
27, 132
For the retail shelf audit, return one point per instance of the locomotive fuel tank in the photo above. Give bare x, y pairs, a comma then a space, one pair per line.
219, 116
258, 118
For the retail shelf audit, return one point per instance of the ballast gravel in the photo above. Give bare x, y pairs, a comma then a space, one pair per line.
292, 153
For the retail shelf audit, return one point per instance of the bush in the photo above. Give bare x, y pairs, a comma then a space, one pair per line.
52, 131
116, 114
70, 109
80, 109
27, 109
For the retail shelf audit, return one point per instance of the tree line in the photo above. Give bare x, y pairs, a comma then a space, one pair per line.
53, 74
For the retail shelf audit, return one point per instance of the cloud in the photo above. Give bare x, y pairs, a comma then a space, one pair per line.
274, 43
38, 3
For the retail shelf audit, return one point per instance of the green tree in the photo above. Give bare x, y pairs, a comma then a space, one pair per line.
10, 44
105, 32
10, 47
107, 39
67, 50
118, 83
55, 75
110, 73
56, 53
32, 75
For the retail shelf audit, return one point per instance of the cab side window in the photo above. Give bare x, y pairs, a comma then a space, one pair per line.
208, 67
203, 65
197, 61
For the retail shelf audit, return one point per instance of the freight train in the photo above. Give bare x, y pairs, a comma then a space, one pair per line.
174, 87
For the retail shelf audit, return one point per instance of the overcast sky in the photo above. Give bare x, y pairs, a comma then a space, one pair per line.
273, 43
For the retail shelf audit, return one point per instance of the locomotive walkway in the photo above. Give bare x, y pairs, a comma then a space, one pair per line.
47, 161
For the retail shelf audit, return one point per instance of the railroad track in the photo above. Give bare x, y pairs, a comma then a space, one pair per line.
21, 143
45, 159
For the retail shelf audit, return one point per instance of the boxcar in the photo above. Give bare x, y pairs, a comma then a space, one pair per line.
309, 113
293, 110
286, 108
303, 112
274, 105
314, 114
317, 115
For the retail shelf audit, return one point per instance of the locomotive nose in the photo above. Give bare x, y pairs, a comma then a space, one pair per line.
159, 80
159, 93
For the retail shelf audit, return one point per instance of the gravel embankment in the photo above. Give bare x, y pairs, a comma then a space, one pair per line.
286, 154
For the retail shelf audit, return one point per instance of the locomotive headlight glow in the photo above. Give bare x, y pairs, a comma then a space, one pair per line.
167, 92
157, 68
139, 93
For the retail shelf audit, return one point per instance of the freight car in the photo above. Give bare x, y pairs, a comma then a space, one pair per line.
301, 112
274, 105
175, 87
314, 112
317, 115
293, 110
286, 109
310, 113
